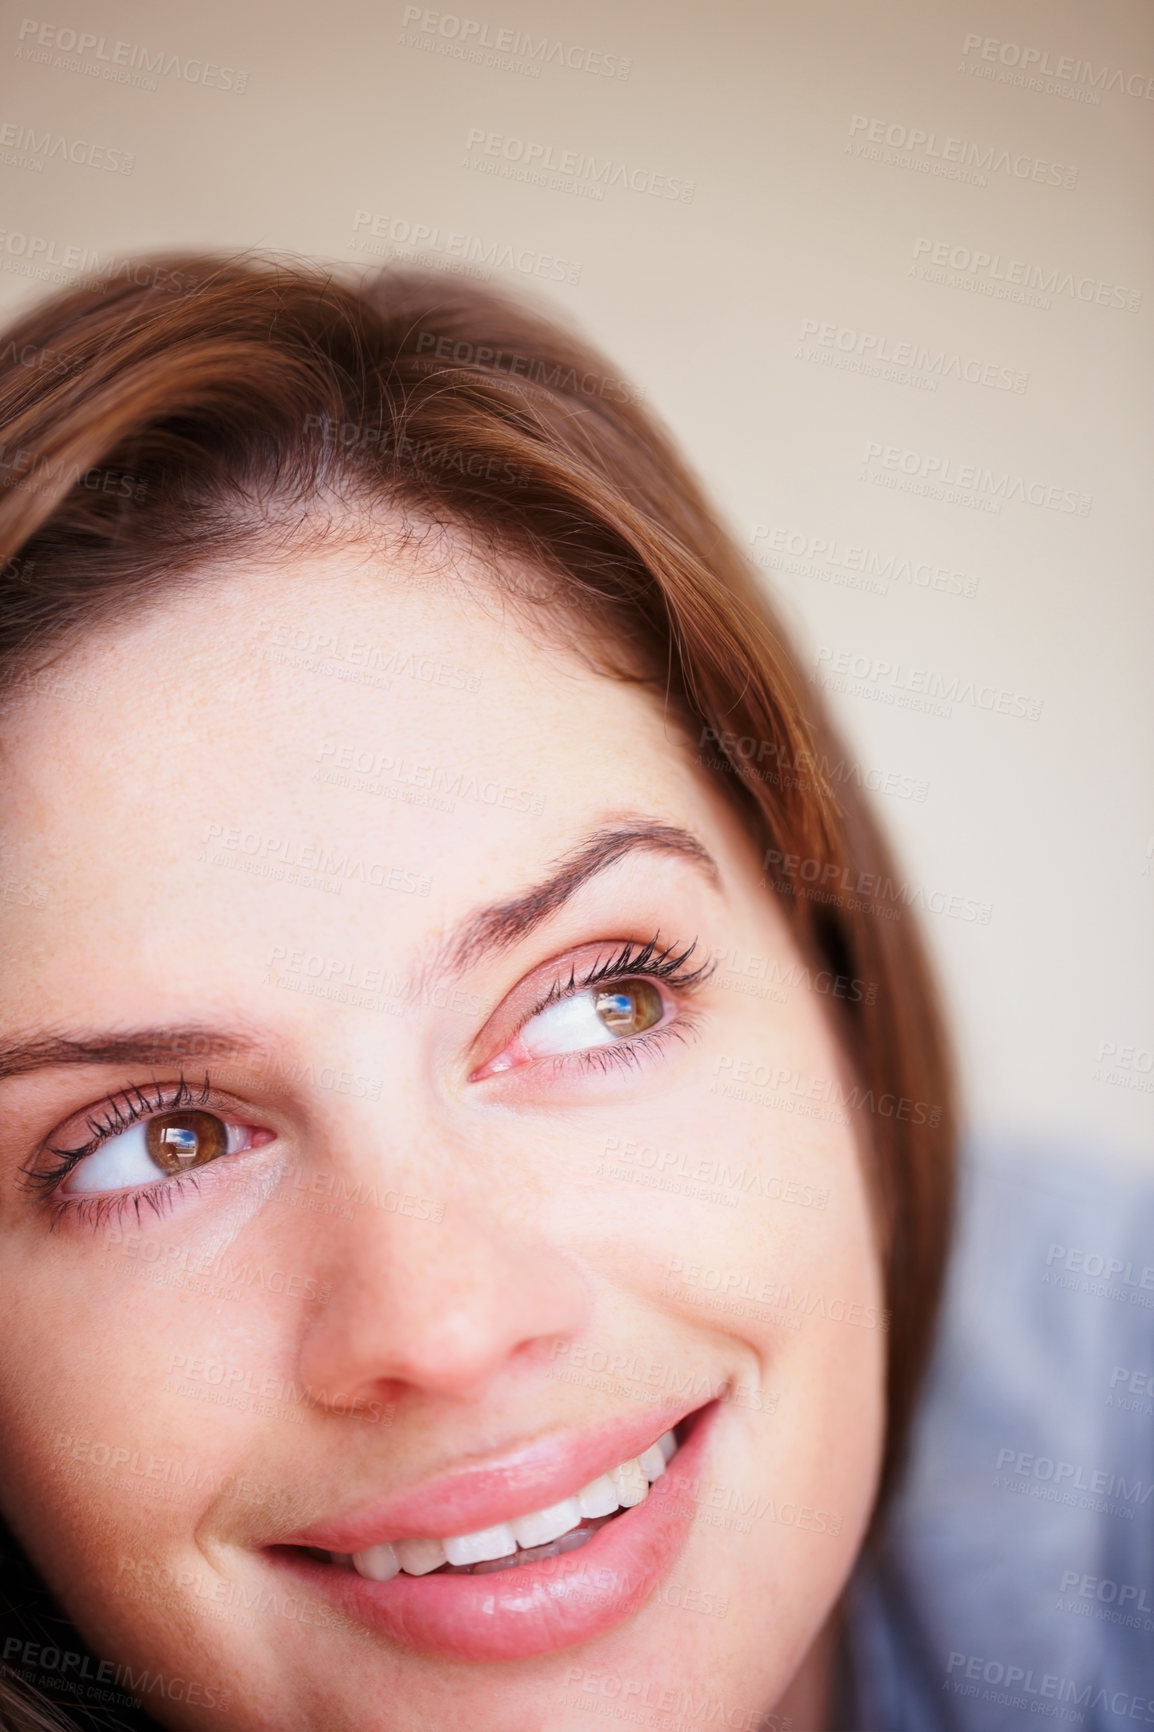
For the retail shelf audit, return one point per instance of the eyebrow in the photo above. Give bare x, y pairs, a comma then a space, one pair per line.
502, 924
491, 929
137, 1046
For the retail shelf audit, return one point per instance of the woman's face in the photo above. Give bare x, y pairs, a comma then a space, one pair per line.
415, 1178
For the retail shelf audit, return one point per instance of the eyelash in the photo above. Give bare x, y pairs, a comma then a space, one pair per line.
119, 1114
134, 1104
650, 961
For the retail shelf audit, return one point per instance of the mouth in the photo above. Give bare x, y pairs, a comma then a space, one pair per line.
546, 1533
529, 1584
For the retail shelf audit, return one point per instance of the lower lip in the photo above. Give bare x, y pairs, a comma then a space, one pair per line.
536, 1608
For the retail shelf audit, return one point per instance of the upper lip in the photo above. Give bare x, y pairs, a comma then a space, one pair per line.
494, 1489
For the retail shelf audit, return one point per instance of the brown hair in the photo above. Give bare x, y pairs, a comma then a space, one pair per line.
182, 410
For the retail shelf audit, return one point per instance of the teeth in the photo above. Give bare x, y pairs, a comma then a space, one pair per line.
652, 1462
548, 1524
632, 1485
418, 1557
478, 1548
623, 1487
599, 1498
378, 1563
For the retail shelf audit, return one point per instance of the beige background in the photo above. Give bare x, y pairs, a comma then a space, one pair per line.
715, 303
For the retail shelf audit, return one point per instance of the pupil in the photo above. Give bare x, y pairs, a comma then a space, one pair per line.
631, 1008
181, 1142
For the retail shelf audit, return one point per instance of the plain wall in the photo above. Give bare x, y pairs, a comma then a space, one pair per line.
886, 272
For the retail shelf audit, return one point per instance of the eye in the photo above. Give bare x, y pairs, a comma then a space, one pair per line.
173, 1142
598, 1016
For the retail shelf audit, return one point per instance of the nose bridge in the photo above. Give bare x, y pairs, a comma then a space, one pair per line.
435, 1280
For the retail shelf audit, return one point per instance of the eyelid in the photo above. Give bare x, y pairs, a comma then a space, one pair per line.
664, 964
123, 1109
166, 1098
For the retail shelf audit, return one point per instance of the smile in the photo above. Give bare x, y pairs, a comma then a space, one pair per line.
545, 1533
521, 1580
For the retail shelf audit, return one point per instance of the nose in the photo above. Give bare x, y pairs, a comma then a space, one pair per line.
445, 1307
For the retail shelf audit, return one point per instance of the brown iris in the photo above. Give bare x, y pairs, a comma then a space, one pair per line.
630, 1007
177, 1141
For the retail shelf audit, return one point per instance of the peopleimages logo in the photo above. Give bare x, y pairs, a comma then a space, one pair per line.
1066, 68
933, 153
1017, 1686
803, 769
271, 855
50, 259
473, 34
70, 50
36, 148
1107, 1591
1076, 1260
891, 682
123, 1688
529, 159
994, 484
1070, 1483
1018, 277
826, 881
878, 350
404, 237
823, 552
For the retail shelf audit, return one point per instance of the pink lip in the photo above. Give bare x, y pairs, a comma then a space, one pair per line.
536, 1608
471, 1498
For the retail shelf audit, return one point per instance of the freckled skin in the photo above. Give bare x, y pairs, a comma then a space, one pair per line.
384, 1281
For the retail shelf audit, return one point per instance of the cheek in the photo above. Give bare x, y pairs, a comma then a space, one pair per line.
118, 1418
742, 1204
785, 1274
745, 1224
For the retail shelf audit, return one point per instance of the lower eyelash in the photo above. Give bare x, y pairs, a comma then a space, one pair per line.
626, 1054
99, 1210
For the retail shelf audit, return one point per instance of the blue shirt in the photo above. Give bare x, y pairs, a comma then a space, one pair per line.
1016, 1585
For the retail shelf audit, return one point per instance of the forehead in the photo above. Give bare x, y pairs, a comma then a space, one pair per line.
263, 674
330, 744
